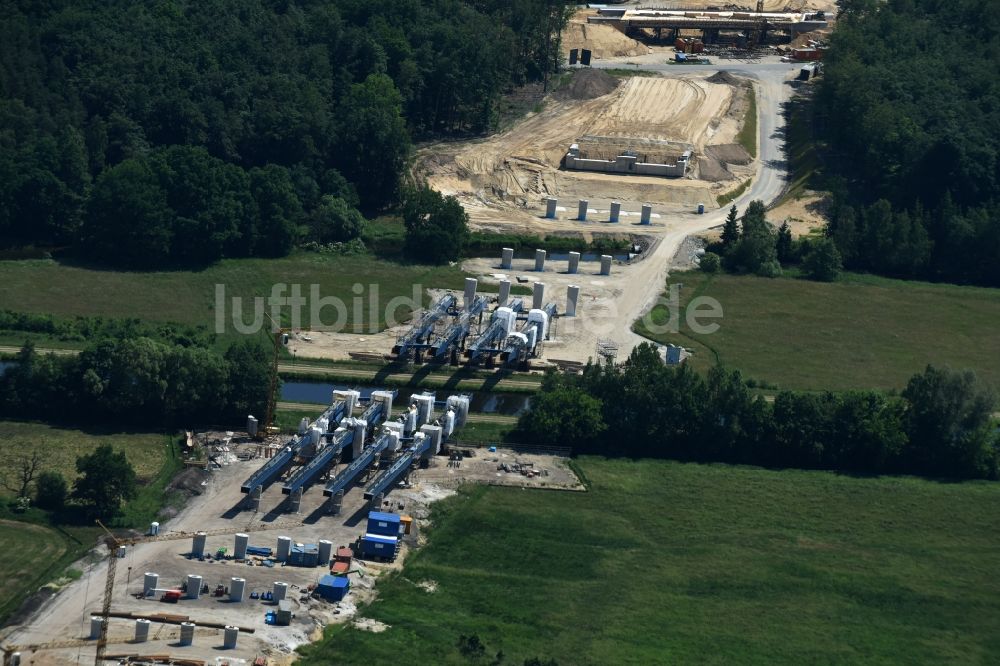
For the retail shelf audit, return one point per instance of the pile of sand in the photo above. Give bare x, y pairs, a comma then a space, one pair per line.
604, 41
590, 83
722, 76
803, 40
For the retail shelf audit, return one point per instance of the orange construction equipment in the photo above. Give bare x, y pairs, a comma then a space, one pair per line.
171, 596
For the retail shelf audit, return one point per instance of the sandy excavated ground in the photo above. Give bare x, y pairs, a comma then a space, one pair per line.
65, 617
683, 109
803, 214
608, 304
343, 346
503, 180
485, 467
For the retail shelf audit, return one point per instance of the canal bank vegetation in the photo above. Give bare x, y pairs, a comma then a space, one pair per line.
138, 382
405, 376
940, 426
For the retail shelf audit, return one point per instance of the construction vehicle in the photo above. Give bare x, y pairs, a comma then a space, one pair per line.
171, 596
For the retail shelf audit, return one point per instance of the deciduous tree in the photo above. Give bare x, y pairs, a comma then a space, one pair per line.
106, 480
436, 226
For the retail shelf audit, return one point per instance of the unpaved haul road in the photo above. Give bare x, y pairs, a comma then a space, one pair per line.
633, 289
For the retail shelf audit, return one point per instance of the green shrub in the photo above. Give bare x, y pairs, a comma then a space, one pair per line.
711, 262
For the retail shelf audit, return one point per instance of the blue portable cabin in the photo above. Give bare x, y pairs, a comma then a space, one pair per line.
333, 588
386, 524
379, 545
304, 555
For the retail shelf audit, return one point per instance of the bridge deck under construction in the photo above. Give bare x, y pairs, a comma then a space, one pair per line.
665, 19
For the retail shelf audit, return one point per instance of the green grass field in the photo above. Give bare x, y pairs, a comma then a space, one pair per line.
33, 556
37, 555
860, 332
483, 434
35, 552
188, 297
61, 446
669, 563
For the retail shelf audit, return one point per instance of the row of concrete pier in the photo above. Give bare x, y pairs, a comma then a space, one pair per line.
583, 208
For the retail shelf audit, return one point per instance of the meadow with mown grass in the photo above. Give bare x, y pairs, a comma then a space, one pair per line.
35, 555
861, 331
663, 562
189, 296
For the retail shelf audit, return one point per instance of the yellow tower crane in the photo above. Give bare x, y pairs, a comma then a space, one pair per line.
114, 543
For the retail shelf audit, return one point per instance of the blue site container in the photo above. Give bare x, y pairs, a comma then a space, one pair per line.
378, 545
387, 524
333, 588
304, 555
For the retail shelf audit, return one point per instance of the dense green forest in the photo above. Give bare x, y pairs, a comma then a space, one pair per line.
910, 105
137, 381
940, 426
179, 132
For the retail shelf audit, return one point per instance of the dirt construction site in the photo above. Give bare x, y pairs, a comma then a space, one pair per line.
503, 180
63, 624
